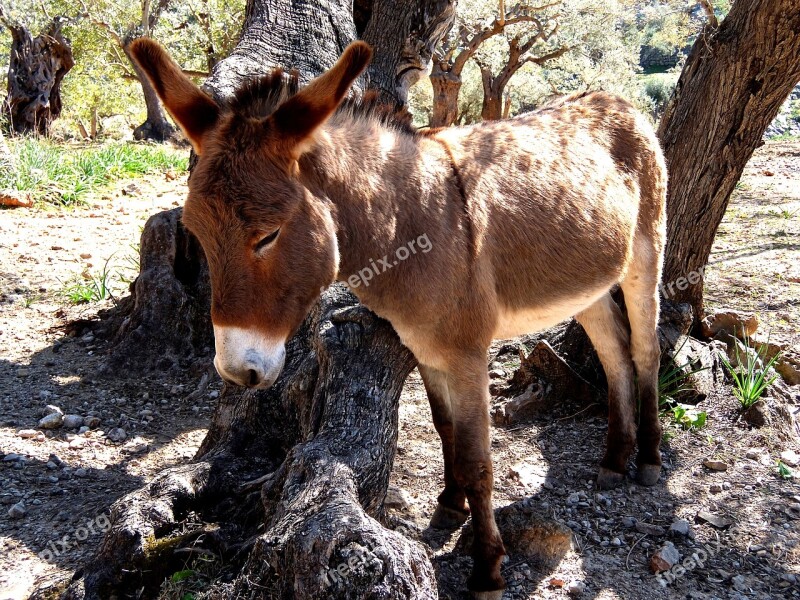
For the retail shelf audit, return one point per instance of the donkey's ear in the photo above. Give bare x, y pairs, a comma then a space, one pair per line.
297, 119
192, 109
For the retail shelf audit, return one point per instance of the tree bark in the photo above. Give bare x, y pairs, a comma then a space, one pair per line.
404, 34
731, 88
36, 68
446, 88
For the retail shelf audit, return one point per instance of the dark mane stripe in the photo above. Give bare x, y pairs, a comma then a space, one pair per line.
259, 97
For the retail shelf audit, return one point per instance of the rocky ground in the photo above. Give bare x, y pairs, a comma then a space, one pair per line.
722, 499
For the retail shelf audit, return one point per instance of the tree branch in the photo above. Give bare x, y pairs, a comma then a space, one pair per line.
709, 10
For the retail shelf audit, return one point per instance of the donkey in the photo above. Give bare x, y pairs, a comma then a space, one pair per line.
528, 221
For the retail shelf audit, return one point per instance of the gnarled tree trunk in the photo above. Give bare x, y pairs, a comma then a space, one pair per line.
446, 88
731, 88
36, 68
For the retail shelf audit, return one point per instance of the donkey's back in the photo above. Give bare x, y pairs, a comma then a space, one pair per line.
561, 202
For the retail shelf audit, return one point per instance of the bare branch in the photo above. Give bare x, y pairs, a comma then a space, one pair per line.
709, 10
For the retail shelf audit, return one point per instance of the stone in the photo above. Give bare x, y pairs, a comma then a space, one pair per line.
91, 421
51, 421
576, 587
27, 433
701, 368
715, 488
73, 421
715, 520
665, 558
396, 498
50, 409
715, 465
680, 527
117, 435
80, 472
17, 511
650, 529
733, 322
790, 457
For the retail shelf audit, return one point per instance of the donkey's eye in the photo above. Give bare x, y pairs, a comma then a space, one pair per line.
267, 240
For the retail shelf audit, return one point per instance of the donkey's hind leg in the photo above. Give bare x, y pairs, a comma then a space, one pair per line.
452, 510
608, 332
640, 288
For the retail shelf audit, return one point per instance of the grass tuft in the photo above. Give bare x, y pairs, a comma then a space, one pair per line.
61, 175
750, 380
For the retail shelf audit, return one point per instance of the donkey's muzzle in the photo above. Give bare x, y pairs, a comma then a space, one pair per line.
246, 358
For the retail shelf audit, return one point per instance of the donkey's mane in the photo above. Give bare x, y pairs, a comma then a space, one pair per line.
259, 97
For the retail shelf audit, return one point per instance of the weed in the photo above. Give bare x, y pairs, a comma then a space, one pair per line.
688, 418
94, 289
66, 175
784, 472
783, 213
750, 380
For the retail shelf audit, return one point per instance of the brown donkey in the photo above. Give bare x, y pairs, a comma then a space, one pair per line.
520, 224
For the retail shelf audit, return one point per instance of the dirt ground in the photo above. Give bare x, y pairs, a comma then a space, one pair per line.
59, 484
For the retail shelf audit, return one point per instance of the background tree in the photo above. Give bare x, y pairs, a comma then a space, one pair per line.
452, 55
156, 126
521, 51
736, 78
37, 66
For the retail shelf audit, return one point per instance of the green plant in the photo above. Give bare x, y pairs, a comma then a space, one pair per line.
94, 289
750, 377
783, 213
688, 418
784, 472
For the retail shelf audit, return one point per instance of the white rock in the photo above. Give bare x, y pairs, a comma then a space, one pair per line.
790, 458
576, 588
50, 409
27, 433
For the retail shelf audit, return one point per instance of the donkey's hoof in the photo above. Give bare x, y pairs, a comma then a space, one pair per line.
493, 595
608, 479
648, 474
445, 517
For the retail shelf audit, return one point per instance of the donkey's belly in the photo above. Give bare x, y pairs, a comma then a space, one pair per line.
511, 323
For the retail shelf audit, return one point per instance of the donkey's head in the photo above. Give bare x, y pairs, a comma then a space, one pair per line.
270, 243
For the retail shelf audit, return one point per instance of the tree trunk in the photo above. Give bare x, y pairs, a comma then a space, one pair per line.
293, 477
446, 88
404, 34
492, 106
36, 68
299, 470
731, 88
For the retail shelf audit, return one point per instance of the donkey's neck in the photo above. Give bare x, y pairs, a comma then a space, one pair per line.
380, 184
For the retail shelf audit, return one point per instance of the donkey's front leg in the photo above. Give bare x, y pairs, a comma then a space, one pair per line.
452, 509
468, 384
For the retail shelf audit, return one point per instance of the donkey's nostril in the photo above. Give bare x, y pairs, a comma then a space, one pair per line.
252, 377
